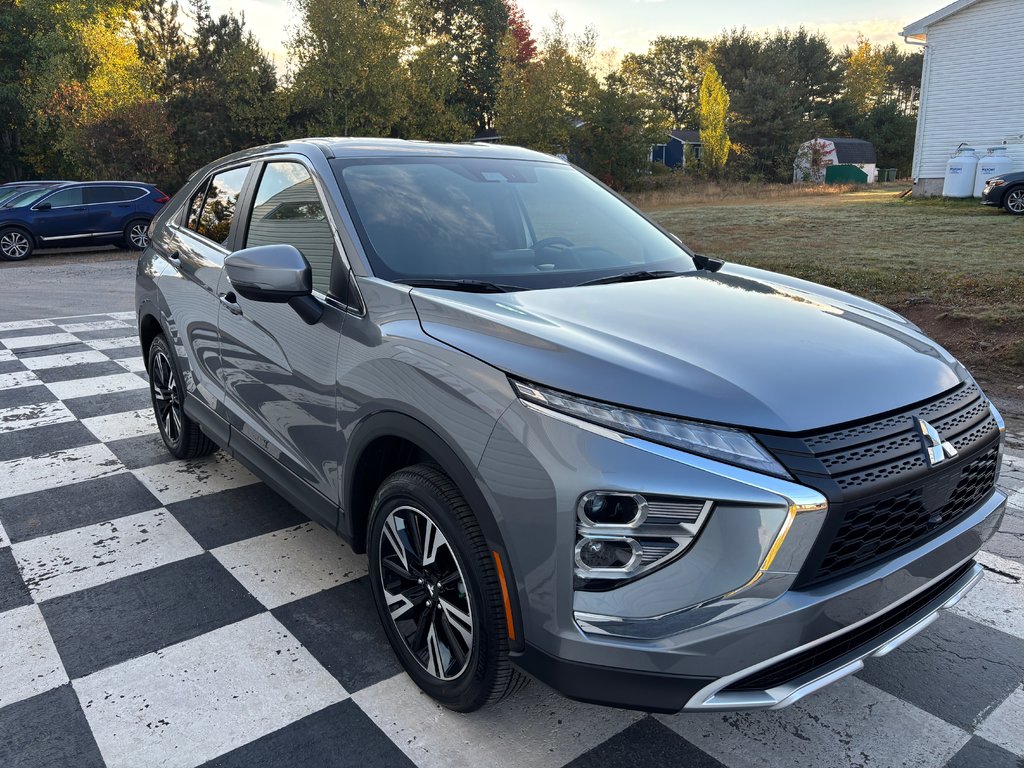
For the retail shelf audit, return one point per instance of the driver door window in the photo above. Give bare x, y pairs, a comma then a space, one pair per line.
288, 209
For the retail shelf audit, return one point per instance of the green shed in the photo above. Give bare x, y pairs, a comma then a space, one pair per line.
845, 174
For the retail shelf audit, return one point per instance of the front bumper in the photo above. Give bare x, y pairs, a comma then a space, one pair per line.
843, 623
992, 196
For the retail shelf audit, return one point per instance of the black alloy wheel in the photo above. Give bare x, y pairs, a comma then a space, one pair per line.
182, 436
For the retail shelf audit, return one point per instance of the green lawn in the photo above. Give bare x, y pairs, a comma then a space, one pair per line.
954, 267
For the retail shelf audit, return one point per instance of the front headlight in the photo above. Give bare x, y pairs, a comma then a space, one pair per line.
996, 182
733, 446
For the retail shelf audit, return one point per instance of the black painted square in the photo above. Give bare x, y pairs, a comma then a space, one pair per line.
141, 613
13, 592
240, 513
645, 744
11, 366
121, 353
80, 371
106, 333
142, 451
37, 393
53, 349
47, 731
979, 753
36, 441
339, 736
102, 405
956, 669
72, 506
340, 627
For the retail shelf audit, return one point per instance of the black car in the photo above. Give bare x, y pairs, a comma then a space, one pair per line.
1006, 191
75, 214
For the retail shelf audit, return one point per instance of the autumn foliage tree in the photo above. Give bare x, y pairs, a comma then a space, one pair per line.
712, 113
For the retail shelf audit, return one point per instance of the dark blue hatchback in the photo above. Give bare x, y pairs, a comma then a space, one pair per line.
75, 214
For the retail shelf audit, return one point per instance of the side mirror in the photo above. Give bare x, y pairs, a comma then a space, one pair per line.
277, 274
43, 207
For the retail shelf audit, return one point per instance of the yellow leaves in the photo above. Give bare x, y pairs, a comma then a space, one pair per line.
117, 77
712, 110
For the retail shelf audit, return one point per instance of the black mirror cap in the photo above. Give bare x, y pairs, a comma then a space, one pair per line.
43, 207
273, 273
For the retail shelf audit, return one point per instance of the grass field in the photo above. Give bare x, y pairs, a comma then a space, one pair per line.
955, 268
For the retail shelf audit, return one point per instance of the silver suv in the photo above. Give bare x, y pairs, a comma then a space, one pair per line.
570, 447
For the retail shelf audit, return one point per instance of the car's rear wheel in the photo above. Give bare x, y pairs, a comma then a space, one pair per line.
181, 435
15, 245
1014, 201
136, 235
437, 591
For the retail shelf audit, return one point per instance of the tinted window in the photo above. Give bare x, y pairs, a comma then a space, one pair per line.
111, 194
525, 223
195, 205
288, 209
65, 197
218, 207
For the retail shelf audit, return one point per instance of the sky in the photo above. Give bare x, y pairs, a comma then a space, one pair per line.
628, 25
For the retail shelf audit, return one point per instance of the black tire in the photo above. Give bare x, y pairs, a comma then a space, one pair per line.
431, 597
1013, 200
181, 435
15, 244
136, 235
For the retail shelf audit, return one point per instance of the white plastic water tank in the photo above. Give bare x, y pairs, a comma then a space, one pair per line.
996, 162
960, 172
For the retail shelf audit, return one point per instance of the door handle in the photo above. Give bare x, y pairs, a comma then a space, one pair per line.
175, 258
229, 300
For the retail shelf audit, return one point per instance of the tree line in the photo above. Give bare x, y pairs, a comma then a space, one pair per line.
151, 89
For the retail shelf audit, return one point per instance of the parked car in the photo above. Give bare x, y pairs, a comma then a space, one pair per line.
570, 447
73, 214
1005, 191
15, 188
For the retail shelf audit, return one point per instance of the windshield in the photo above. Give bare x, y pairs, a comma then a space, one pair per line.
527, 224
24, 198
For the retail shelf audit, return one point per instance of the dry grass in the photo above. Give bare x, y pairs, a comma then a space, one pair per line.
686, 191
955, 267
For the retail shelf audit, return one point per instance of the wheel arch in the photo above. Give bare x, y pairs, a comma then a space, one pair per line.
388, 441
149, 329
23, 229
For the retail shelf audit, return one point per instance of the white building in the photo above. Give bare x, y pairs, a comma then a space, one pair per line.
972, 88
815, 157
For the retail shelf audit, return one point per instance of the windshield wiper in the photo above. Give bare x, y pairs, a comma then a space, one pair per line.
632, 277
472, 286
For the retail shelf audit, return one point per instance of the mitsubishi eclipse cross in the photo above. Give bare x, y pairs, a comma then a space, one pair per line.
572, 449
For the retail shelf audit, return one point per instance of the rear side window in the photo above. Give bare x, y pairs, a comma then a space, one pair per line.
211, 214
65, 198
111, 194
288, 209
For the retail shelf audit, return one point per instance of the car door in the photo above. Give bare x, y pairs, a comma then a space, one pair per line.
279, 373
60, 219
194, 246
109, 208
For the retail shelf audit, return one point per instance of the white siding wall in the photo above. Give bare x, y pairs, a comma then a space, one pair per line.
973, 86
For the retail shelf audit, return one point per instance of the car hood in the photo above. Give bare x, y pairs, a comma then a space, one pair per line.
739, 347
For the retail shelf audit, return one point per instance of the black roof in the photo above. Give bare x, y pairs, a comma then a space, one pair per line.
689, 137
854, 151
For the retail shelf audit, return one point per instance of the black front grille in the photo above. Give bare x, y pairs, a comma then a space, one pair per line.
862, 637
884, 496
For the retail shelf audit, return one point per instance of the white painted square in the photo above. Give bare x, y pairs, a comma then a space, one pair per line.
124, 316
1005, 726
43, 340
132, 364
34, 415
64, 360
17, 379
21, 325
291, 563
94, 325
180, 480
96, 554
535, 728
99, 385
119, 343
6, 355
189, 703
120, 426
847, 723
4, 540
60, 468
997, 599
29, 663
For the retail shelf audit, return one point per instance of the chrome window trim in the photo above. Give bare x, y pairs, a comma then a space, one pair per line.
87, 205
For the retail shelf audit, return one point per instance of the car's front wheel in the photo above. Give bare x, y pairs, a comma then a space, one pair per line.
181, 435
437, 592
1014, 202
15, 245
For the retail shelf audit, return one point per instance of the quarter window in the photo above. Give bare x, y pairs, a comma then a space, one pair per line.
288, 209
213, 216
65, 198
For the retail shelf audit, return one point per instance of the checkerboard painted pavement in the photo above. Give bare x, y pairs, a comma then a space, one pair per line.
165, 613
